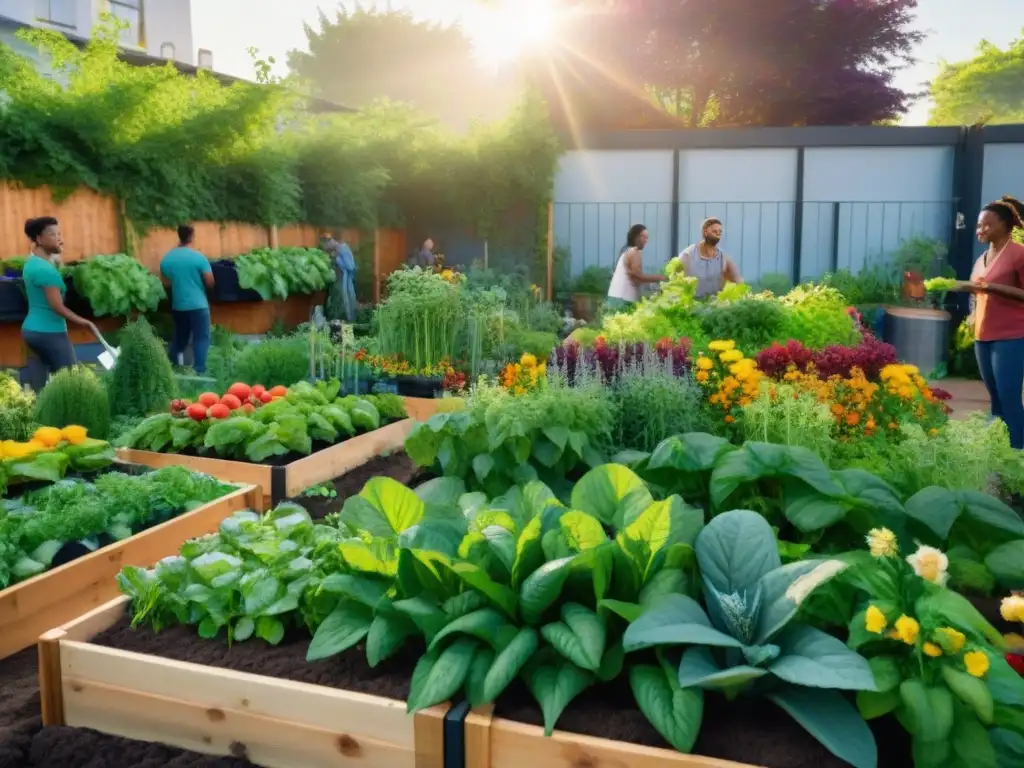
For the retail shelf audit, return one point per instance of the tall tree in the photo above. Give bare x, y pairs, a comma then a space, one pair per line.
986, 89
362, 55
739, 62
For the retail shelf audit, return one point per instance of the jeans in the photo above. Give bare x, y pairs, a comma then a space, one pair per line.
191, 324
1002, 369
54, 351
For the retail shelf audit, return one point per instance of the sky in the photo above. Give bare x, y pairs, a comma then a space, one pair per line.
228, 27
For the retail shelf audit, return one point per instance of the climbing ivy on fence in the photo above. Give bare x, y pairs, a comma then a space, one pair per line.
177, 148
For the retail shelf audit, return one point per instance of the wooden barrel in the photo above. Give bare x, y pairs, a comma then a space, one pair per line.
921, 336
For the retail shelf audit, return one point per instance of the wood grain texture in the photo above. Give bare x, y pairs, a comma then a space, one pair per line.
31, 608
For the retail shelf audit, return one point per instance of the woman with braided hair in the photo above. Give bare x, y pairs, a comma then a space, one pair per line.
997, 283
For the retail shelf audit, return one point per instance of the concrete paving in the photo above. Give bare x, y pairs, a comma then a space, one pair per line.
968, 396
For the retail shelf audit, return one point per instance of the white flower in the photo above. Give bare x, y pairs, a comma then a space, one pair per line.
930, 564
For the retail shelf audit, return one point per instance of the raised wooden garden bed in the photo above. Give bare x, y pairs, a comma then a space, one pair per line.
32, 607
272, 722
493, 742
280, 482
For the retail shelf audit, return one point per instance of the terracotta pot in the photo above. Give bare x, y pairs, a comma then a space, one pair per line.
913, 286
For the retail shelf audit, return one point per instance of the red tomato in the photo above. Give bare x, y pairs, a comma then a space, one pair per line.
219, 411
248, 407
239, 390
196, 411
231, 401
258, 390
279, 391
208, 399
265, 397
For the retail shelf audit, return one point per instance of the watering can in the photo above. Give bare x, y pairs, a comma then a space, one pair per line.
108, 357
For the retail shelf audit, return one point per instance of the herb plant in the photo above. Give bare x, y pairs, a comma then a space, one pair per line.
142, 380
16, 409
277, 273
75, 396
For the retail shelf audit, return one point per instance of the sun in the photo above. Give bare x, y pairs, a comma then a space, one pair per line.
504, 30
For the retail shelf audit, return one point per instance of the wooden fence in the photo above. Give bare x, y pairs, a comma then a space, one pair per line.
92, 224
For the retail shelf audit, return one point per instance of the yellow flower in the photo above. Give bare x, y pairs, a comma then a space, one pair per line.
731, 356
701, 376
977, 663
721, 346
930, 564
882, 542
705, 363
907, 629
1012, 608
528, 360
874, 620
931, 649
950, 639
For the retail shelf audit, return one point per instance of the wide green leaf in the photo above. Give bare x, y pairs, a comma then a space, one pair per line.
990, 511
580, 636
674, 620
438, 675
812, 658
689, 452
485, 624
736, 549
971, 741
540, 591
512, 659
756, 461
477, 675
659, 527
383, 508
367, 590
670, 581
1009, 747
810, 511
784, 590
927, 710
972, 691
830, 719
613, 494
475, 577
698, 669
1006, 562
875, 704
676, 713
386, 636
554, 686
934, 507
424, 613
345, 626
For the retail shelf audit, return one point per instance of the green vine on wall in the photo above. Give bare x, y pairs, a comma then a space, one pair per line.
178, 148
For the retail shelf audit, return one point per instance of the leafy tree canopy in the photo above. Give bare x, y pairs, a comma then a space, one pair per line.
986, 89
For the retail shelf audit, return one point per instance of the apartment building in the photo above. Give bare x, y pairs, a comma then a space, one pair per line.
159, 29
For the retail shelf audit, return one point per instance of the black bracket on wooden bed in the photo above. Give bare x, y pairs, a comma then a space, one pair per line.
455, 735
278, 485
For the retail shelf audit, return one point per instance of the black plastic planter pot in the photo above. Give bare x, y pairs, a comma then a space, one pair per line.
226, 289
417, 386
76, 302
13, 304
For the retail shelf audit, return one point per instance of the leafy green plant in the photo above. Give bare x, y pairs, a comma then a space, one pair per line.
16, 409
936, 661
118, 285
502, 439
785, 416
777, 283
421, 320
753, 323
75, 396
272, 362
651, 404
875, 284
142, 381
746, 642
593, 281
277, 273
34, 527
307, 415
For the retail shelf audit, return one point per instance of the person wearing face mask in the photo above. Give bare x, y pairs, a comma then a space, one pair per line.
45, 329
708, 263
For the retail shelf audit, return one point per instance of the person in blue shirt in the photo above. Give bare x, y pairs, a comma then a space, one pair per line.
189, 276
45, 328
345, 268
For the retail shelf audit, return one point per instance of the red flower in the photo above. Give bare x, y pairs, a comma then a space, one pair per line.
1016, 661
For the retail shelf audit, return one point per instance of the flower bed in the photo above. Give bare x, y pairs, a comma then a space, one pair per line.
51, 597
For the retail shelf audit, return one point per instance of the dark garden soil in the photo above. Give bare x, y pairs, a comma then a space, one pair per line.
754, 732
397, 466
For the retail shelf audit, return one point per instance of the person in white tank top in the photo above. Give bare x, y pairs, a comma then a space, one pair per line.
624, 289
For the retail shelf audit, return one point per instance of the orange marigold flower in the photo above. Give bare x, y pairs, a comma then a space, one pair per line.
853, 419
729, 419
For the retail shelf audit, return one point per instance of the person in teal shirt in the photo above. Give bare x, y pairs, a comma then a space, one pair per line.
189, 276
45, 329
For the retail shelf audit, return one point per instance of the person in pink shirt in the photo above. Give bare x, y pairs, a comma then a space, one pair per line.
997, 282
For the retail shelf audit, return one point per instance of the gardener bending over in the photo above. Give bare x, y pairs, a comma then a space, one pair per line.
189, 276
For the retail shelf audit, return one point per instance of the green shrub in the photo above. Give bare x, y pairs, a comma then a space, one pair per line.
272, 362
651, 405
75, 396
16, 405
540, 344
143, 381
